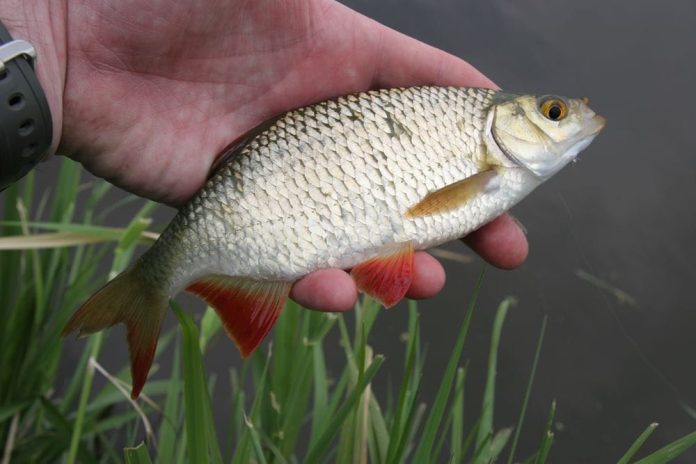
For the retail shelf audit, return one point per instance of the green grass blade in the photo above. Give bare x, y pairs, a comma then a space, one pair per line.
255, 443
366, 313
277, 456
62, 426
319, 326
9, 289
46, 241
320, 414
202, 446
414, 426
454, 410
409, 385
457, 436
413, 414
347, 346
137, 455
547, 438
528, 391
349, 442
295, 400
37, 271
236, 413
245, 447
337, 393
440, 443
167, 441
469, 440
362, 411
66, 189
670, 452
379, 434
486, 427
88, 231
115, 423
10, 410
626, 458
545, 448
322, 444
93, 348
286, 333
210, 326
430, 430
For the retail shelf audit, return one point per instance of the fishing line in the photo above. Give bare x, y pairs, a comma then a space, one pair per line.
622, 328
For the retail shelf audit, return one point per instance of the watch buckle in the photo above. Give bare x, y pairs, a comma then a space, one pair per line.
15, 49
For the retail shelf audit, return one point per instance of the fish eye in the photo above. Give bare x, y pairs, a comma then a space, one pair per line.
554, 109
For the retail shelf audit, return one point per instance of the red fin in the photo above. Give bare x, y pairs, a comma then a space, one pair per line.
386, 278
127, 299
248, 308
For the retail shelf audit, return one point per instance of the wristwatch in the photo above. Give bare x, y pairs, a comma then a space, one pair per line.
26, 128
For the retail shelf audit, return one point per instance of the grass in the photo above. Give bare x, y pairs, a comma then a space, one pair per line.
287, 404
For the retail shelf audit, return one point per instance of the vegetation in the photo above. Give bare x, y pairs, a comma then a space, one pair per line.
286, 405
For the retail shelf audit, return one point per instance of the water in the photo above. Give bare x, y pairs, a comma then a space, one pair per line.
623, 213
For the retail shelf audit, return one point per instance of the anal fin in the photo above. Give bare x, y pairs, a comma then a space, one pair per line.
248, 308
387, 278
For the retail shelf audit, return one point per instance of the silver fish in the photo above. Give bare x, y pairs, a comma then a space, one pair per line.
360, 182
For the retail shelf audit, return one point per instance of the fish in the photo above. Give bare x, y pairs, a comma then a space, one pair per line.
356, 182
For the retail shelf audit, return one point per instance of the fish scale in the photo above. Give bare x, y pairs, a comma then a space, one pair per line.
359, 181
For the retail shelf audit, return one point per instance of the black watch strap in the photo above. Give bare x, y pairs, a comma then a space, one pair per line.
26, 129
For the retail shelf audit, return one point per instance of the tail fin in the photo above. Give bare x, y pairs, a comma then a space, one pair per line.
130, 300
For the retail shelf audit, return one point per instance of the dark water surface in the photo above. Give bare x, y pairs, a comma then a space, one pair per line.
624, 213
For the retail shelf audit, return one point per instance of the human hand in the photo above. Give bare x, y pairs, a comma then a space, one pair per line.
146, 93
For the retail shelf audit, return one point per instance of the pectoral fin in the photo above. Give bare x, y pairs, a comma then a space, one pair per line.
248, 308
454, 195
387, 278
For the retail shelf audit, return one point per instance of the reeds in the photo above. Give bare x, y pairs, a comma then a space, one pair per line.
287, 404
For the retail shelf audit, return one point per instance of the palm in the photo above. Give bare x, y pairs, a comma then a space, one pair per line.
155, 90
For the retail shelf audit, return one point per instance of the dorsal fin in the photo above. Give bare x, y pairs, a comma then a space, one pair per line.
233, 149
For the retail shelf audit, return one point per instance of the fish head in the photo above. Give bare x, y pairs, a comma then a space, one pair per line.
541, 134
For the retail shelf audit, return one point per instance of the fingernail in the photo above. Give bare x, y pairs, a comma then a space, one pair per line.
521, 226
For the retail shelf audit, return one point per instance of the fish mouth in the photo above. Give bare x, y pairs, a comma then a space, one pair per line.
598, 124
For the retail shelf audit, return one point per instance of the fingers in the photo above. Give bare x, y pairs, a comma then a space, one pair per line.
334, 290
501, 242
326, 290
428, 277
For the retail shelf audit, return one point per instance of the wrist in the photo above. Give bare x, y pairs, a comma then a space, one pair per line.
43, 24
